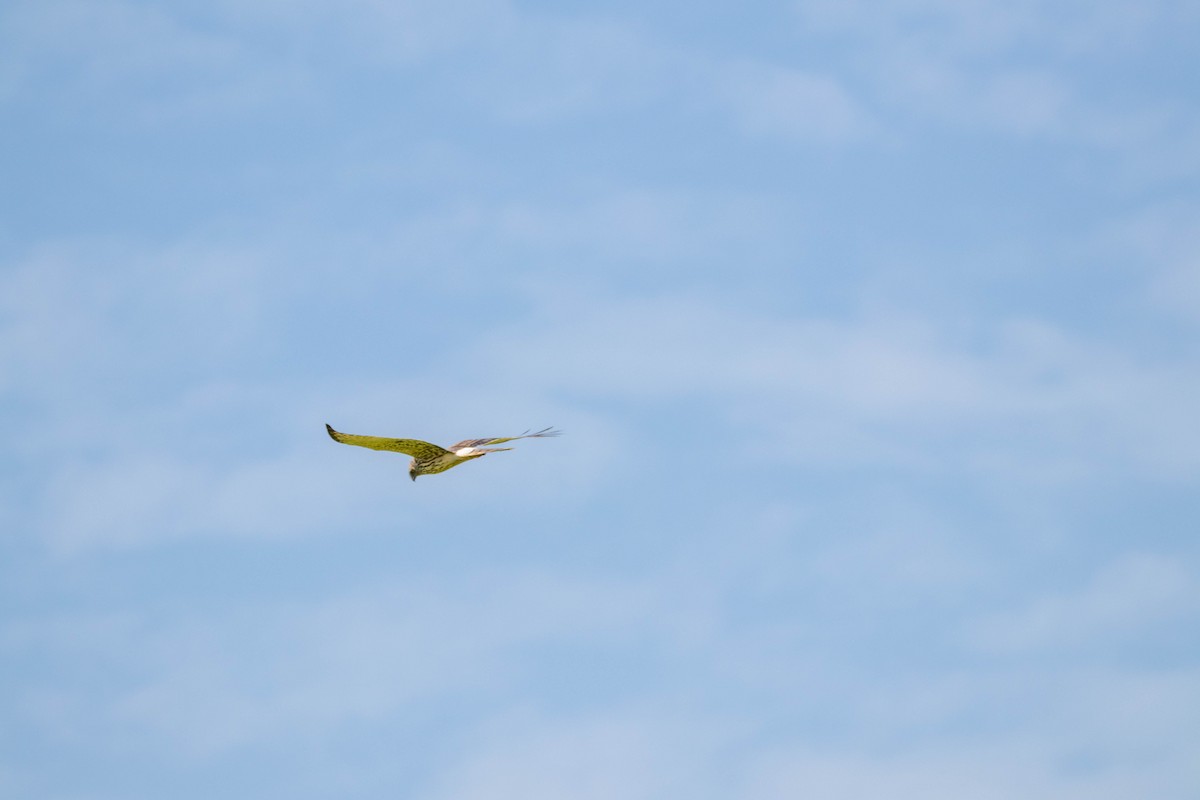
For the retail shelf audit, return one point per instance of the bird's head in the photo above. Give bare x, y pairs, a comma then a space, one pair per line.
412, 470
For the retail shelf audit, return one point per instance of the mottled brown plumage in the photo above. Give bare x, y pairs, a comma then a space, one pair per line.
430, 459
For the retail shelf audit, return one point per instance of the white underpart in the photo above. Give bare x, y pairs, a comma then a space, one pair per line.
466, 451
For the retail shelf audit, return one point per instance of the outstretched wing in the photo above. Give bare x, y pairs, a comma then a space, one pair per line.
413, 447
526, 435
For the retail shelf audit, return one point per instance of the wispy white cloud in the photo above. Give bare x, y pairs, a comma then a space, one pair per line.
132, 64
383, 33
78, 311
1162, 245
1004, 66
1135, 595
1026, 103
869, 390
783, 547
544, 70
244, 677
151, 496
147, 481
1026, 69
516, 66
654, 751
632, 753
793, 104
1024, 400
258, 676
981, 28
990, 771
683, 232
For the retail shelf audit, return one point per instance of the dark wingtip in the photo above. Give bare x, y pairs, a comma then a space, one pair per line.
332, 432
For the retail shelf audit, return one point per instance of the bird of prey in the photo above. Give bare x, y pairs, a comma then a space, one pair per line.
429, 459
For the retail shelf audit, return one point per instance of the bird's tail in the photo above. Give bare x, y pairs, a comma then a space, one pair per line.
544, 433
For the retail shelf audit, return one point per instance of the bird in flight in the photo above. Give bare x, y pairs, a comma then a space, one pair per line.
430, 459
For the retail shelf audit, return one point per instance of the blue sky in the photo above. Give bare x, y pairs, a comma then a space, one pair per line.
873, 329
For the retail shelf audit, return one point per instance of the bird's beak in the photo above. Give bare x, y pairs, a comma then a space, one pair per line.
412, 475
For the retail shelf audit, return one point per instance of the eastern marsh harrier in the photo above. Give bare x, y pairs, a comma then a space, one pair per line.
430, 459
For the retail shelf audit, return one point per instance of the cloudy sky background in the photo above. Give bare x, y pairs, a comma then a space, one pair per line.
873, 328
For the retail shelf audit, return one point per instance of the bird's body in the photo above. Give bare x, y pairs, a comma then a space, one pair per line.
430, 459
